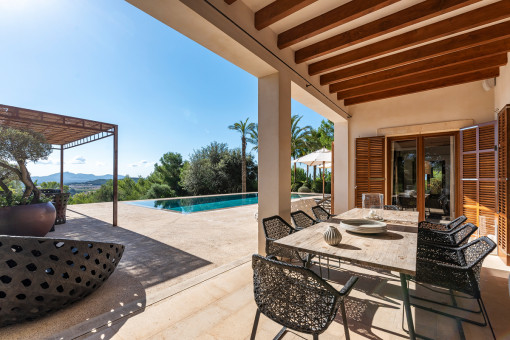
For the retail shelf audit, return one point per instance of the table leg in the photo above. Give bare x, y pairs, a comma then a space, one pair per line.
407, 306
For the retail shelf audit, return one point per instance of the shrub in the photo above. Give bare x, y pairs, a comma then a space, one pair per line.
304, 188
160, 191
295, 187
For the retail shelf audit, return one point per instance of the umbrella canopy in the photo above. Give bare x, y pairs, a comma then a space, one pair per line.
316, 158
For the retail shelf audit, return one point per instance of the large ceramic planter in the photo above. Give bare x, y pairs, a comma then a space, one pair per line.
27, 220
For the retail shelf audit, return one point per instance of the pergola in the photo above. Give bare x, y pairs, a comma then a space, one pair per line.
64, 132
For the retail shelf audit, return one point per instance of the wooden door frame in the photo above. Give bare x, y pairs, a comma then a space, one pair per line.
420, 159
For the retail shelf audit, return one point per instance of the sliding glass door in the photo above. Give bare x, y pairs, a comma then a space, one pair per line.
422, 173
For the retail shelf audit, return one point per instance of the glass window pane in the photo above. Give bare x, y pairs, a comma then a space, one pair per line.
403, 174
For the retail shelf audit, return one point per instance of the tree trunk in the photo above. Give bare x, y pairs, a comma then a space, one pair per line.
294, 172
29, 185
243, 156
5, 188
307, 168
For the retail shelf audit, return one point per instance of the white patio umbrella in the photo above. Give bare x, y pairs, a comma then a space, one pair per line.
319, 157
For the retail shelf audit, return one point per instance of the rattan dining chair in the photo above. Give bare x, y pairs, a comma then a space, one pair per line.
456, 268
439, 226
302, 220
452, 238
391, 207
296, 297
276, 228
320, 213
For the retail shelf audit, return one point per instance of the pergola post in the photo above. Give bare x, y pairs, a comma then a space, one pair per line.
62, 168
115, 173
274, 109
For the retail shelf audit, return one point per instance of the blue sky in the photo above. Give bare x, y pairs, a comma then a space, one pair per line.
108, 61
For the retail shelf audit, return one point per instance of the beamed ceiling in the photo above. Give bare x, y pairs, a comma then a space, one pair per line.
365, 50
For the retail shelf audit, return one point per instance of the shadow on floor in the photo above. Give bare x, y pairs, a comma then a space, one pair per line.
146, 263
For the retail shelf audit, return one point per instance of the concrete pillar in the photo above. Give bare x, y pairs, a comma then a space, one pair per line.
274, 150
341, 168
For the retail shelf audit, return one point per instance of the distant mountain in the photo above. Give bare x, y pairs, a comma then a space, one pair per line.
70, 178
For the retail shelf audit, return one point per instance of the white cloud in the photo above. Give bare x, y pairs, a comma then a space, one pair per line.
79, 160
49, 161
100, 164
142, 163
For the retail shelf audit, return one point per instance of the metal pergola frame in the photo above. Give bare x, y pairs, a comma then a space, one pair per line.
65, 132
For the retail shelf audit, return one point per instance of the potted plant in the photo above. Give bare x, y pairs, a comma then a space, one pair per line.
25, 213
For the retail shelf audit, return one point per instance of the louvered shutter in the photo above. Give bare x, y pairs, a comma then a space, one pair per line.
478, 159
503, 237
369, 166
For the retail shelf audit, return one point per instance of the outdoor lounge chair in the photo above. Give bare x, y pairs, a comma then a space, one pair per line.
296, 297
456, 268
276, 228
438, 226
321, 214
40, 275
302, 220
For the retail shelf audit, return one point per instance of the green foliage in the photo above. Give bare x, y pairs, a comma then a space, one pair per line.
326, 133
298, 137
214, 169
295, 186
168, 171
304, 188
253, 136
160, 191
19, 199
300, 175
53, 185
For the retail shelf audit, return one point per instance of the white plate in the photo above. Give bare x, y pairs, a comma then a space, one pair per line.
363, 226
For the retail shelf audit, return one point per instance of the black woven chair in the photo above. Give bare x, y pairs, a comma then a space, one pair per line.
438, 226
456, 268
453, 238
320, 213
391, 207
296, 297
302, 220
276, 228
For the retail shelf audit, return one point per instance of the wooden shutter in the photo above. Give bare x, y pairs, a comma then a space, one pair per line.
479, 177
369, 166
503, 235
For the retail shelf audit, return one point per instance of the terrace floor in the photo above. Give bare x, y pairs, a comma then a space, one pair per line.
189, 277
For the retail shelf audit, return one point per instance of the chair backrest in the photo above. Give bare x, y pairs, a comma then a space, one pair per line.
320, 213
303, 204
456, 222
293, 296
302, 219
275, 227
391, 207
461, 234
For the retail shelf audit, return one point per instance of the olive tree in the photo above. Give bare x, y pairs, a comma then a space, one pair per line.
17, 148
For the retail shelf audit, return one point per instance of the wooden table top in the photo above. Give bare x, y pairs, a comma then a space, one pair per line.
394, 250
409, 218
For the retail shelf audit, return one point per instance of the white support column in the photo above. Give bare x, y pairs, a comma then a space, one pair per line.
274, 150
341, 168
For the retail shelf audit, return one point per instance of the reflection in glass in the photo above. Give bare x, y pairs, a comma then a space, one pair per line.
403, 174
439, 178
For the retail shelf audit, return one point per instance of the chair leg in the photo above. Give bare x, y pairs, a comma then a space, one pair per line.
280, 334
255, 325
487, 317
316, 337
344, 319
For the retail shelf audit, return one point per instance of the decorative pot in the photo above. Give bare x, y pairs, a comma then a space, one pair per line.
332, 236
27, 220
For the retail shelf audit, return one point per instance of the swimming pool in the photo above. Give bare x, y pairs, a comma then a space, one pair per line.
204, 203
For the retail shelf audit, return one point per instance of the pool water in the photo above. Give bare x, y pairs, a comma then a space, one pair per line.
191, 205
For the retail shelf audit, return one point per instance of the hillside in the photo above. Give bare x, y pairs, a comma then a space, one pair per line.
71, 178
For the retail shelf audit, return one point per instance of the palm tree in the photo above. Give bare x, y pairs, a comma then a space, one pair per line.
243, 128
254, 136
298, 140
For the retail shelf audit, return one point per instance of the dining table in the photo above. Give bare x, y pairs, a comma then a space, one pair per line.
393, 250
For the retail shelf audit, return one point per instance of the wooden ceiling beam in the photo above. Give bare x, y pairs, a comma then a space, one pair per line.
473, 53
278, 10
434, 84
440, 73
352, 10
404, 18
474, 38
478, 17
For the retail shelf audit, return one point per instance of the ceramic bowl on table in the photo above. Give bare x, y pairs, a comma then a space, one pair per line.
364, 226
